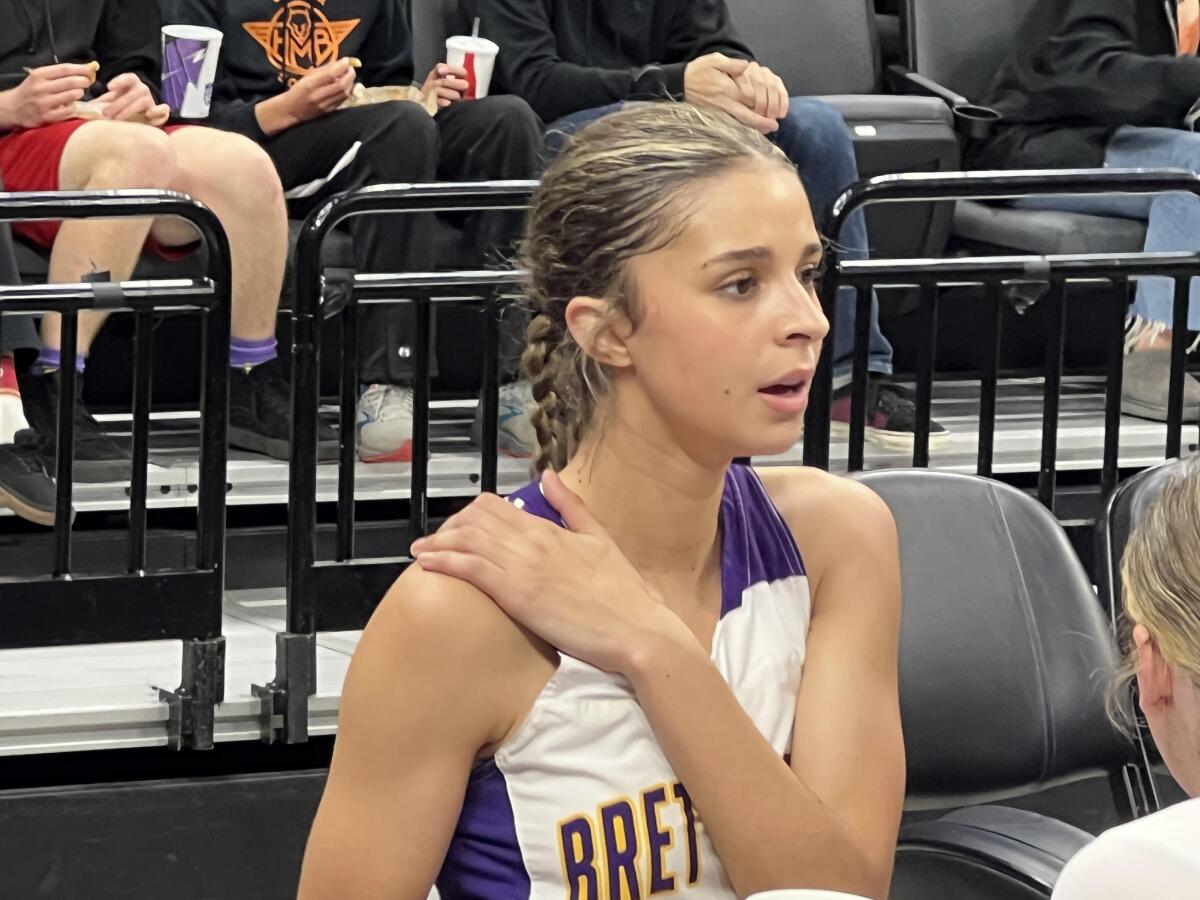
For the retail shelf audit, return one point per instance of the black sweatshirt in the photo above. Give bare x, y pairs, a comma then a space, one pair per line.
1079, 70
269, 45
122, 35
563, 56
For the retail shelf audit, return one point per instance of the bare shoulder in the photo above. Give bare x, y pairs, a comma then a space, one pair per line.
829, 513
459, 644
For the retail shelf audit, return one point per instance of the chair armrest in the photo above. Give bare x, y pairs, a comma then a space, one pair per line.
1022, 845
970, 120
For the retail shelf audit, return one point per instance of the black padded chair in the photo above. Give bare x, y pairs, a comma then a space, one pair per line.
830, 49
1005, 657
956, 47
1124, 509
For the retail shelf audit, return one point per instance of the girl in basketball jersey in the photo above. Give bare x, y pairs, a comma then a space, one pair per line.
651, 672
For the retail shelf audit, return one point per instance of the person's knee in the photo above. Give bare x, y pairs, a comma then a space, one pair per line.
131, 156
403, 120
515, 119
257, 186
821, 120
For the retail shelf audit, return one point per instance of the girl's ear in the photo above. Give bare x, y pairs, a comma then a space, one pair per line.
599, 331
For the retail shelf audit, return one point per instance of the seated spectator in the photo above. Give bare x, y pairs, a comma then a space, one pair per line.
25, 488
46, 146
1158, 856
577, 64
650, 670
1113, 83
285, 74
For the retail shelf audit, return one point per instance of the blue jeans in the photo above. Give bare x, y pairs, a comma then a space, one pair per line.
1172, 220
815, 138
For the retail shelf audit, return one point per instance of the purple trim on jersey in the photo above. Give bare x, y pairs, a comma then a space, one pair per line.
484, 859
758, 546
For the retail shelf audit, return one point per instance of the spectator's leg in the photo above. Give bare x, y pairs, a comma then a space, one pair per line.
559, 131
252, 212
815, 138
493, 139
497, 138
397, 144
1173, 225
104, 156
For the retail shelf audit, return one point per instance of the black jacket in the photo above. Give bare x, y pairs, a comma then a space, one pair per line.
1081, 69
563, 56
268, 45
121, 35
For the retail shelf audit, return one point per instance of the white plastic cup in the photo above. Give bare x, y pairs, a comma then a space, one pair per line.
478, 56
189, 59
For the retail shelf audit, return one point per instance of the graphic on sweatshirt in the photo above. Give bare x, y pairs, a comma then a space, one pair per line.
300, 37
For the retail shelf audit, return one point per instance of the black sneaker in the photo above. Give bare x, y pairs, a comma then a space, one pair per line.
98, 456
260, 414
25, 488
891, 416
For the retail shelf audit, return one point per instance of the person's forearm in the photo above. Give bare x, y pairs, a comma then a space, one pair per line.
275, 115
770, 830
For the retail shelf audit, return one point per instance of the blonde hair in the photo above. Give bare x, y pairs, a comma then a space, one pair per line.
616, 192
1160, 572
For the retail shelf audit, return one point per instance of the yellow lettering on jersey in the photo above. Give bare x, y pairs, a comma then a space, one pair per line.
621, 850
659, 841
689, 816
577, 853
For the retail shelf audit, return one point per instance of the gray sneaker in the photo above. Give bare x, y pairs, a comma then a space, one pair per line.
25, 488
515, 433
1145, 383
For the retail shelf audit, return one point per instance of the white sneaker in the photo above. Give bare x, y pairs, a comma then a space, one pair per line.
384, 426
12, 413
515, 433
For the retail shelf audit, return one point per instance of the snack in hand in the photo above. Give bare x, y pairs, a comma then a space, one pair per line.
95, 67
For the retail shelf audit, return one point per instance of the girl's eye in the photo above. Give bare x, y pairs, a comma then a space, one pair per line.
742, 287
810, 275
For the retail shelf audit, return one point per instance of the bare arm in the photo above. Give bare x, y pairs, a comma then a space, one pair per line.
831, 820
421, 699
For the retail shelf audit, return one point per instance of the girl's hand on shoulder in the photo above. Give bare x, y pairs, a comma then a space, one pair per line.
573, 587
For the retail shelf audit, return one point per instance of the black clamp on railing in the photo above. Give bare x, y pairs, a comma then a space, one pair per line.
341, 595
67, 608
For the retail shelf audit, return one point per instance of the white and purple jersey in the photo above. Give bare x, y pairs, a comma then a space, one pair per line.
580, 803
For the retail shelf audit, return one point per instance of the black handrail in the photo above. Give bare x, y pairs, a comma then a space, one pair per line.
1056, 272
66, 608
341, 595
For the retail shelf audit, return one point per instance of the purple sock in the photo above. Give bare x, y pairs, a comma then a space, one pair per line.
244, 354
50, 360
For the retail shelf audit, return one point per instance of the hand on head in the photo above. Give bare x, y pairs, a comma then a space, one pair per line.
446, 84
750, 93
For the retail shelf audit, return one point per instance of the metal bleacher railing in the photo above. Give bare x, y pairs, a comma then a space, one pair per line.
67, 607
341, 594
993, 275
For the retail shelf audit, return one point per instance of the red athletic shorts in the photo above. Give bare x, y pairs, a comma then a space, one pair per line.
29, 161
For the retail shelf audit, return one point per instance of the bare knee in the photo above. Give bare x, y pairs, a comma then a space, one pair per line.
256, 189
130, 156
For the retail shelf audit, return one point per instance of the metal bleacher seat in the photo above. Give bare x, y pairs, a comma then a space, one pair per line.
1004, 661
957, 46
